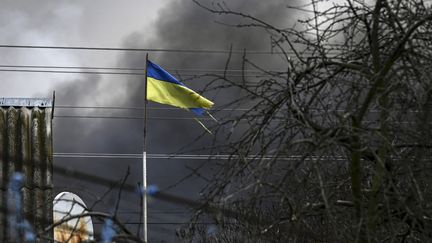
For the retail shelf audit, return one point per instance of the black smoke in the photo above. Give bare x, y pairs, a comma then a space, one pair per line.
181, 25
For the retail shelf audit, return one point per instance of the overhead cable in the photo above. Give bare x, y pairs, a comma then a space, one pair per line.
85, 48
126, 73
134, 68
189, 156
135, 108
172, 108
130, 117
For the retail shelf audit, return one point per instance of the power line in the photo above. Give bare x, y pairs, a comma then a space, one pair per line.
69, 72
192, 118
187, 156
133, 68
130, 117
168, 50
134, 108
159, 118
158, 212
169, 108
111, 107
126, 73
169, 223
71, 67
199, 156
85, 48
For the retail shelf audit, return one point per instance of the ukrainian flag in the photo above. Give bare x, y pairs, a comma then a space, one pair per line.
164, 88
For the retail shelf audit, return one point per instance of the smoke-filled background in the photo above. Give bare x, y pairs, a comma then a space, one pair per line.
169, 24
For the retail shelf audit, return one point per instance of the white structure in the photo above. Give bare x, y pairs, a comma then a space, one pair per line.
66, 206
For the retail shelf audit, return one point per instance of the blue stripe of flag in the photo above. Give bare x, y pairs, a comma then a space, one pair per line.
156, 72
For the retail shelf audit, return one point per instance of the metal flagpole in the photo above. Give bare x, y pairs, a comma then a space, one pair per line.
145, 155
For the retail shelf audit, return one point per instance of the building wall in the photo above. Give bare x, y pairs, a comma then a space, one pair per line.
26, 147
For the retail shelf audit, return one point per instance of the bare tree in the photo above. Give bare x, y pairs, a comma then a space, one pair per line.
337, 147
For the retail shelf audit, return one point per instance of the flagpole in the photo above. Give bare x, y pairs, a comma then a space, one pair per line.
145, 155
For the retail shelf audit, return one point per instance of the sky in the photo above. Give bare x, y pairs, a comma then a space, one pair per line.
169, 24
69, 23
